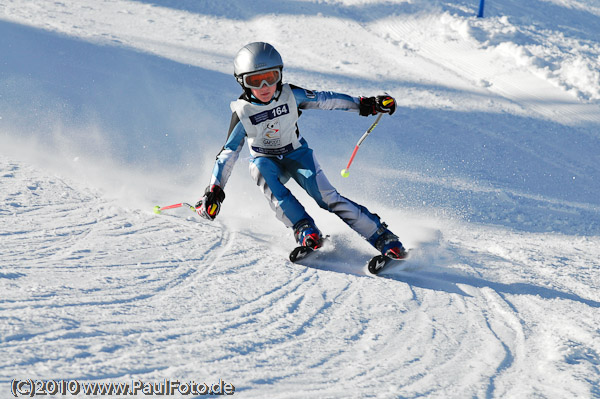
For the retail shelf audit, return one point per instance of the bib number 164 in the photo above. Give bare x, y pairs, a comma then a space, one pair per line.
278, 111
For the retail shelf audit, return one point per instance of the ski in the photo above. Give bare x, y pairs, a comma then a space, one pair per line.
301, 251
380, 262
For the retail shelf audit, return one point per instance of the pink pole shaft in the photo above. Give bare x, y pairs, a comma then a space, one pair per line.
352, 157
171, 206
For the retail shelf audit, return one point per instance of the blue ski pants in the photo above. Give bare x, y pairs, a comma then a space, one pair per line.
271, 174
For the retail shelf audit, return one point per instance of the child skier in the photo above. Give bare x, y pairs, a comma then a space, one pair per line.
266, 114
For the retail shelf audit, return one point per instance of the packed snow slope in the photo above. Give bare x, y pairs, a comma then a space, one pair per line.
488, 170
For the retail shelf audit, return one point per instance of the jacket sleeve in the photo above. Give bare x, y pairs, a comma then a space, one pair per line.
309, 99
229, 153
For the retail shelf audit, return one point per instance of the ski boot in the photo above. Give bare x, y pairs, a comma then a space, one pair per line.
309, 239
390, 247
388, 243
307, 234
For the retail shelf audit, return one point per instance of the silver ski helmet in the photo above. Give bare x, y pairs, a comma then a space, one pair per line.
254, 57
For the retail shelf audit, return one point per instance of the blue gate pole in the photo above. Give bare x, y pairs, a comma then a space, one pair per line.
480, 15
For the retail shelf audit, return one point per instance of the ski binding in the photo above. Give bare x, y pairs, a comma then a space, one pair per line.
301, 251
380, 262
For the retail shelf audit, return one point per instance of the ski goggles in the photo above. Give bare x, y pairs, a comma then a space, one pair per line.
256, 80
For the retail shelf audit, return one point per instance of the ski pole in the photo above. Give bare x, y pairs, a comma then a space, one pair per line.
158, 209
346, 172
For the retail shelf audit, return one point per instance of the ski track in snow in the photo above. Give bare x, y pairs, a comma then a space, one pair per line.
500, 298
171, 307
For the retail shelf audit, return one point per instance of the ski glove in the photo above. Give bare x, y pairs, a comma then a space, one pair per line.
210, 205
373, 105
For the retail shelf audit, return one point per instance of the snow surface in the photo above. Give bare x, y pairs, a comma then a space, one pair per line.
489, 170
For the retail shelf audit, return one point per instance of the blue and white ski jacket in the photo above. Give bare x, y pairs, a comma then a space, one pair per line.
271, 129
